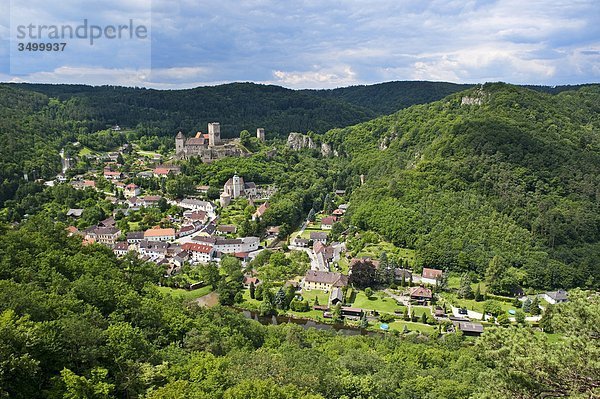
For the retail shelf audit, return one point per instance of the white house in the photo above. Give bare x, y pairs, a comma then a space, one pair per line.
236, 245
197, 205
159, 234
554, 297
199, 253
131, 190
431, 276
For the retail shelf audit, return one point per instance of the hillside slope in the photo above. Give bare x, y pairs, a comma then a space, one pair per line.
496, 170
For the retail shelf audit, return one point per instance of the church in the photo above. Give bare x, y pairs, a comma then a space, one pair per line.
236, 187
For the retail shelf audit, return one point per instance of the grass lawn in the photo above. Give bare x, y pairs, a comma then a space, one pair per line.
84, 151
185, 294
419, 310
321, 295
399, 326
251, 303
471, 304
344, 265
454, 282
149, 154
376, 302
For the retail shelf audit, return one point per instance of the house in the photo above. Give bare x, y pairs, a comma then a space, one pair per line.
196, 216
300, 242
157, 234
326, 281
165, 170
199, 253
104, 235
236, 245
318, 236
154, 249
260, 211
131, 190
402, 274
76, 213
337, 212
468, 328
431, 276
326, 250
186, 230
135, 237
197, 205
420, 294
72, 230
111, 175
327, 222
272, 232
248, 280
121, 248
354, 313
236, 187
226, 229
150, 200
108, 222
554, 297
336, 296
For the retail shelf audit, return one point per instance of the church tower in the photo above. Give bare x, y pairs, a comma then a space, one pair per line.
214, 134
179, 143
236, 186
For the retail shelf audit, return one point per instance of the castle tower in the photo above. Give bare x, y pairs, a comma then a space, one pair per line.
260, 134
236, 186
214, 134
179, 143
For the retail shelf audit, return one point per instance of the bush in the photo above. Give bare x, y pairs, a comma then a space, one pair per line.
386, 318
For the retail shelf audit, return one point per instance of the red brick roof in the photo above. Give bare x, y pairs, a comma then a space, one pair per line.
190, 246
431, 273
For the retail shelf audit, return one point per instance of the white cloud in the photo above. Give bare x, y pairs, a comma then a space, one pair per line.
319, 78
309, 43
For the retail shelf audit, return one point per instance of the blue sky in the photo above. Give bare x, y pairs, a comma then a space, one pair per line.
312, 44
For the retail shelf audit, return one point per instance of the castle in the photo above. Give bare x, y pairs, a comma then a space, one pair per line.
206, 146
210, 146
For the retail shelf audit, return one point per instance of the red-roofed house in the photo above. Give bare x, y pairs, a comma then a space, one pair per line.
131, 190
260, 211
431, 276
199, 252
110, 175
421, 294
327, 222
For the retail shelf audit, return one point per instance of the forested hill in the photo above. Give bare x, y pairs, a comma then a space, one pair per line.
389, 97
240, 106
497, 179
236, 106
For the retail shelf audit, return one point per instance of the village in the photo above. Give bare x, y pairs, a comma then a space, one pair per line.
378, 288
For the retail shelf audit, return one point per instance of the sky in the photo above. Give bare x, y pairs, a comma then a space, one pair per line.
306, 43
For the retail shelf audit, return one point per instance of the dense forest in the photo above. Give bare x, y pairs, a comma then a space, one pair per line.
497, 172
240, 106
76, 322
